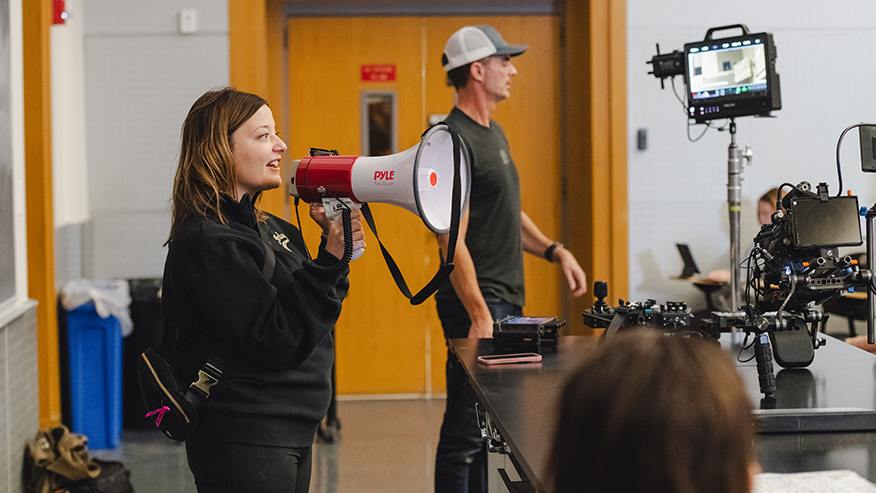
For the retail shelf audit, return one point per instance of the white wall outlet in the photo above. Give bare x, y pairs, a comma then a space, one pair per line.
188, 21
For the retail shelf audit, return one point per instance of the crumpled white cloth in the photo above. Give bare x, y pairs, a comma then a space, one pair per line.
110, 297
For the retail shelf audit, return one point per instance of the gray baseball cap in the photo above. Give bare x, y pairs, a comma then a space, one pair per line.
472, 43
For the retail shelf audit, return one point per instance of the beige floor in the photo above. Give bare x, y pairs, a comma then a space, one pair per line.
384, 446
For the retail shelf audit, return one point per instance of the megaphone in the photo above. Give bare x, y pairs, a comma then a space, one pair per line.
419, 179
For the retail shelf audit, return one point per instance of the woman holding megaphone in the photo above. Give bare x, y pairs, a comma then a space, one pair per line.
240, 278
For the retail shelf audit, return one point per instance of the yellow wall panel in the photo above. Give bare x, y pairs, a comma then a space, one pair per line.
36, 21
381, 338
385, 345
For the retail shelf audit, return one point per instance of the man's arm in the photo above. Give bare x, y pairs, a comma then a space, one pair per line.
465, 283
536, 243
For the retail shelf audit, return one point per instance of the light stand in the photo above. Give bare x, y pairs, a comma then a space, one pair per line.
871, 300
734, 206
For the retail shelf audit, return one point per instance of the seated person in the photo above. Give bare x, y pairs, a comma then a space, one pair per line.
648, 412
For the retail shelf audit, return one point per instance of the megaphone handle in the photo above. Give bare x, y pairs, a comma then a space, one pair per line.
348, 239
348, 243
340, 208
334, 207
357, 253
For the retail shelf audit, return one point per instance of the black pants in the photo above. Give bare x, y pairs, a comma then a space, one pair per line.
461, 461
221, 467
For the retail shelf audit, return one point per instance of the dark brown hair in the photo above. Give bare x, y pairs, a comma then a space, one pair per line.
206, 169
459, 76
653, 413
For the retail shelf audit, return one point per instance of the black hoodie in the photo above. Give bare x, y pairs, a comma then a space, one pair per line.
276, 386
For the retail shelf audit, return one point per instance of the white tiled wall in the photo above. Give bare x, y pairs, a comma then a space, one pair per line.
19, 396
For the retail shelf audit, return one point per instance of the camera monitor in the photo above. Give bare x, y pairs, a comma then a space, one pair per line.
731, 77
826, 223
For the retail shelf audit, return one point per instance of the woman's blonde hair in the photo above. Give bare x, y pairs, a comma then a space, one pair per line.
206, 169
770, 197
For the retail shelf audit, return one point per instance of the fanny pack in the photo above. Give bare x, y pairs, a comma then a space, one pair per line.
170, 401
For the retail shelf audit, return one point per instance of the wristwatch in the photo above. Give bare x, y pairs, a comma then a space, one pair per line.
549, 253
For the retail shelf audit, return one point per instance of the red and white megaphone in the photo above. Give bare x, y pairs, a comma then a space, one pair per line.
419, 179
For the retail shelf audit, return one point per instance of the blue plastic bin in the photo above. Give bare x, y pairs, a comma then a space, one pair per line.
95, 352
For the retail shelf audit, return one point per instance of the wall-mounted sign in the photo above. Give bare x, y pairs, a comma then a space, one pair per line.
378, 72
59, 12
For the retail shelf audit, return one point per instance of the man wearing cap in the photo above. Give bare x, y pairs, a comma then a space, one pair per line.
487, 282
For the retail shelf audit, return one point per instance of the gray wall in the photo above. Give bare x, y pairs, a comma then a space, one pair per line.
19, 395
677, 189
19, 379
7, 244
141, 77
70, 253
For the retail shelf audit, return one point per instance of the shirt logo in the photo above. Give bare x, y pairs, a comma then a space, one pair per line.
282, 240
506, 159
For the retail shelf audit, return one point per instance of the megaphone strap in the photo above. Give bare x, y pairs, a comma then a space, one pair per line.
444, 271
428, 289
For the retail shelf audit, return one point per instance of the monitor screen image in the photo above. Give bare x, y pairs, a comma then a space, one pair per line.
731, 77
736, 69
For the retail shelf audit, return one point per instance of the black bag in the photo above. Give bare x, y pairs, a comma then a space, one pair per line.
113, 478
165, 396
57, 460
170, 401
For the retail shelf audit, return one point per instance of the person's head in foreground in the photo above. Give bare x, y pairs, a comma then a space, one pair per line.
648, 412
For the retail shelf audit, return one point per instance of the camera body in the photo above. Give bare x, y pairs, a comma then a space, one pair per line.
796, 258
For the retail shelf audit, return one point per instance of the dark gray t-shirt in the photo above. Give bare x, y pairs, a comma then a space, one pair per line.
493, 236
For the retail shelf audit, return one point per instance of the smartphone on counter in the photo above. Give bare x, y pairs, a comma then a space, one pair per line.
502, 359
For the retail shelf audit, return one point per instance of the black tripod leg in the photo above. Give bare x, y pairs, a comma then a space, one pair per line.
764, 356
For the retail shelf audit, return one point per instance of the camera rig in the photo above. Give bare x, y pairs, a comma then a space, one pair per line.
794, 266
796, 262
673, 317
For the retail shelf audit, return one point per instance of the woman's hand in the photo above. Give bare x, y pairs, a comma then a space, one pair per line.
334, 243
317, 213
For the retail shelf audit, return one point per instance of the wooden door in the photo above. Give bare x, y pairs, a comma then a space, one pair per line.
385, 345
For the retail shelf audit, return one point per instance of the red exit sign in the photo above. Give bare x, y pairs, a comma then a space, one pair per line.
378, 72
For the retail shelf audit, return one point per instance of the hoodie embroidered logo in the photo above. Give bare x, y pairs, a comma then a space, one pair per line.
282, 240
